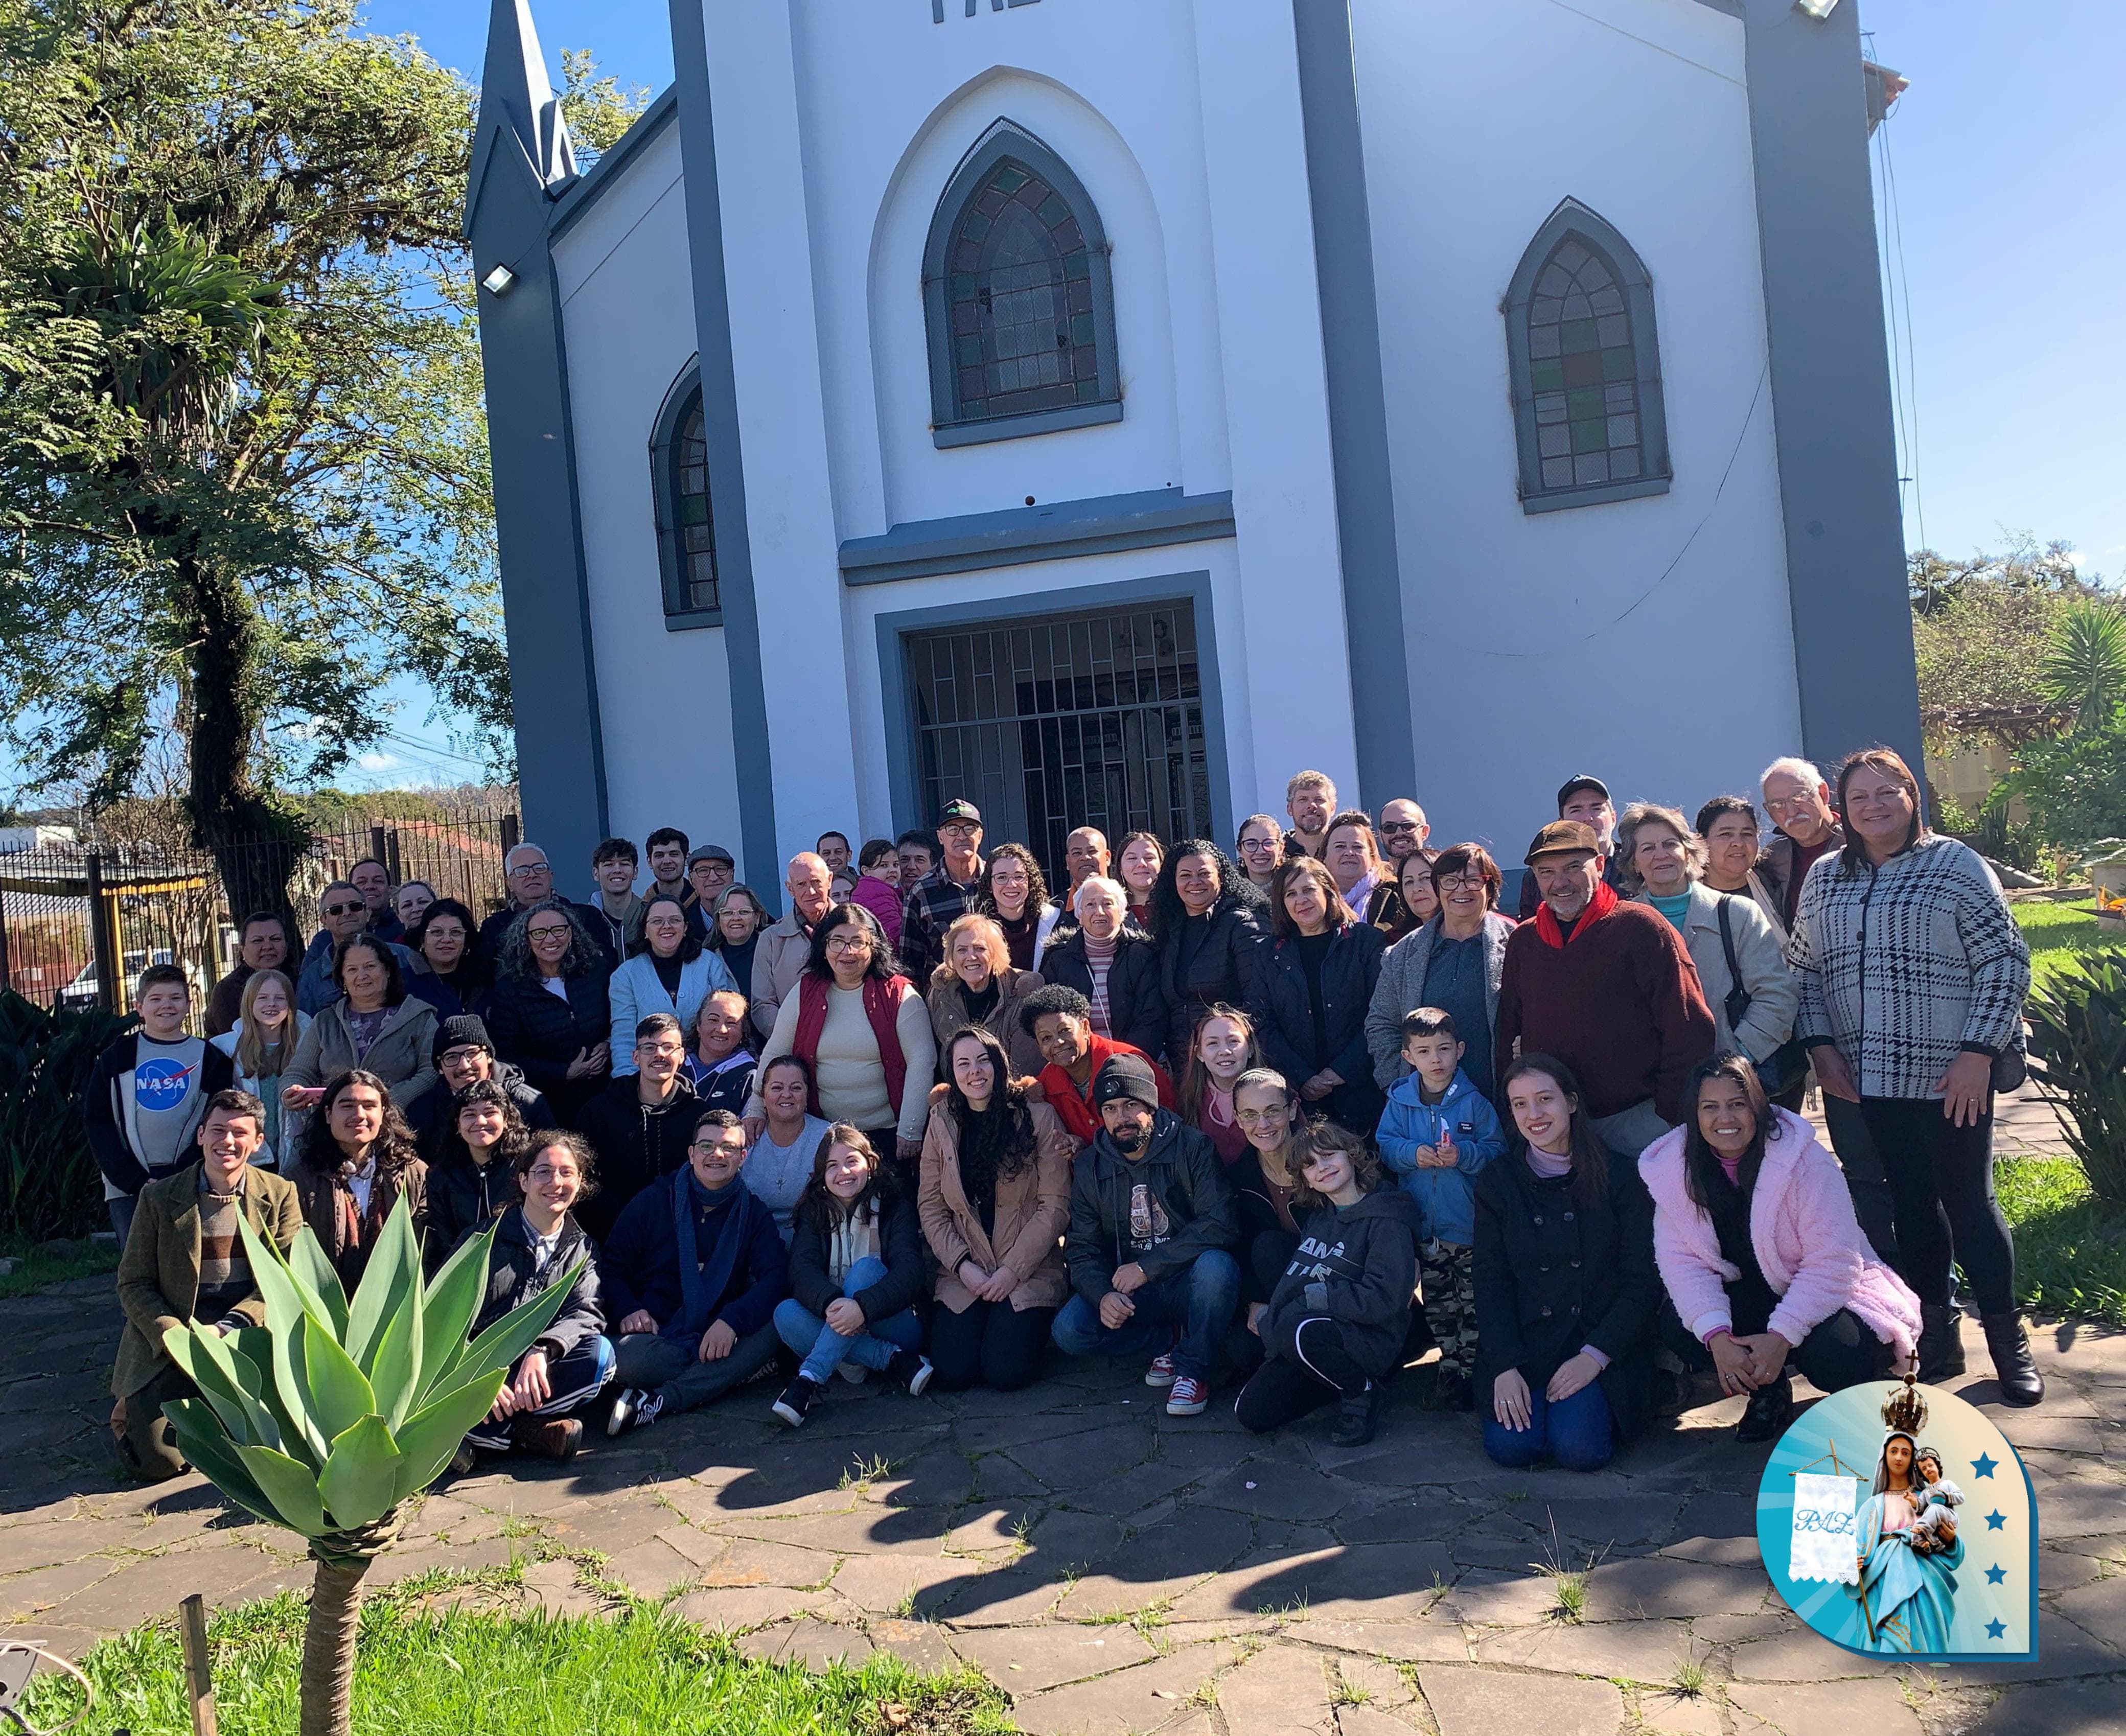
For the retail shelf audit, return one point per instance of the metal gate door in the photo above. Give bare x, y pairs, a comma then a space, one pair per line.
1059, 721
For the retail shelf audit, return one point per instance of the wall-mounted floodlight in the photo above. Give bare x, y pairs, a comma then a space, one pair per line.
1817, 8
497, 282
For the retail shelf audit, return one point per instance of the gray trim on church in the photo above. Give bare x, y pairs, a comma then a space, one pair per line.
1831, 383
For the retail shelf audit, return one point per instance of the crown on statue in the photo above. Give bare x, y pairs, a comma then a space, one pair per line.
1904, 1411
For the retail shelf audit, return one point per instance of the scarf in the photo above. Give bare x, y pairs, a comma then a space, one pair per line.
703, 1282
882, 1006
1552, 931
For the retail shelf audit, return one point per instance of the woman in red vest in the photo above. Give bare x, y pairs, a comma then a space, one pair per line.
863, 1030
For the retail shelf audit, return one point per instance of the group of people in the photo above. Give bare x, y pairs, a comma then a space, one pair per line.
1282, 1117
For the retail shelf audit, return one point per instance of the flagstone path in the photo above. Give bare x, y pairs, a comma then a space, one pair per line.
1116, 1570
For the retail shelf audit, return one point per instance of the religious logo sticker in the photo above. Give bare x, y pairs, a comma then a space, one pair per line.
1895, 1518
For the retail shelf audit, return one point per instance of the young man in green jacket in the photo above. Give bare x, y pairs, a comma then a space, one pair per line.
185, 1260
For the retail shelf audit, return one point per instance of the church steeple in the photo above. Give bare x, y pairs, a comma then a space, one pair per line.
517, 97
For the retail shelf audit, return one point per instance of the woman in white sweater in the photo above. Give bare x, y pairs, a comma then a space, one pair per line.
669, 971
863, 1030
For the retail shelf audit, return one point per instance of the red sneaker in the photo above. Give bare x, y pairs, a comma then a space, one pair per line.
1161, 1371
1189, 1397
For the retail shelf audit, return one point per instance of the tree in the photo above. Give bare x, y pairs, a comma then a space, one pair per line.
2085, 667
334, 1412
243, 473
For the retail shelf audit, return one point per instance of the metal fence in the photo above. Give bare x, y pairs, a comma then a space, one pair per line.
81, 916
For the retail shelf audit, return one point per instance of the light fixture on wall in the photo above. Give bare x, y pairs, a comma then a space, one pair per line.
1817, 8
497, 281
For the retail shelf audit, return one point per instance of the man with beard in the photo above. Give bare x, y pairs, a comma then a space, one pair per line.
1151, 1225
1310, 798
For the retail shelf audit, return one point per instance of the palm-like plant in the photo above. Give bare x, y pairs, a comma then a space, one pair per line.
2085, 667
2078, 1030
330, 1415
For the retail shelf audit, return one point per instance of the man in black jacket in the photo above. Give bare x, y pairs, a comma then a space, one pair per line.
1151, 1225
465, 1055
642, 1123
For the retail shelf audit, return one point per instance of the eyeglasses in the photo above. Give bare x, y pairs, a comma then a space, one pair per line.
957, 829
557, 931
1787, 803
1258, 1117
849, 943
344, 909
1446, 880
1395, 826
525, 870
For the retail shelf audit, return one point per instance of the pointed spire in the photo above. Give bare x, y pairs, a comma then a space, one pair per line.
515, 89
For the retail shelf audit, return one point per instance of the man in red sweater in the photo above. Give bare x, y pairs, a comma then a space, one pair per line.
1606, 987
1060, 1020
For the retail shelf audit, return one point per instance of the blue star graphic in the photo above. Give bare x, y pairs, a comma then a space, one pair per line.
1984, 1466
1995, 1575
1995, 1628
1995, 1521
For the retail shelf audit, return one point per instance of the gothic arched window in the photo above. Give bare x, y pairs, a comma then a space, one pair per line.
680, 475
1018, 297
1585, 367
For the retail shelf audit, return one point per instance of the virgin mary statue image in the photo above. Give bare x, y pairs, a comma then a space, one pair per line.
1908, 1586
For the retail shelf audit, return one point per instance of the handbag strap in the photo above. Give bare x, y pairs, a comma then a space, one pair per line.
1738, 997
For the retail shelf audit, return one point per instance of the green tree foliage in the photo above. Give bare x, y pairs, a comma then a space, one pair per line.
1982, 630
243, 458
2085, 667
2074, 782
598, 110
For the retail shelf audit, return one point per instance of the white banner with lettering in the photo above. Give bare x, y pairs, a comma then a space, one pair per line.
1824, 1544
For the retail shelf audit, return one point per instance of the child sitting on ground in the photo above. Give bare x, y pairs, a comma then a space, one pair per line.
1437, 1131
1934, 1500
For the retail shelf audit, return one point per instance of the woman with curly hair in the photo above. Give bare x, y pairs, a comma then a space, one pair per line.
1208, 921
1014, 892
1336, 1321
359, 1160
994, 1199
471, 1180
552, 1013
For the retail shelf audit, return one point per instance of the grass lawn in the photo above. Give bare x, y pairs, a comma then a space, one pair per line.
499, 1675
2070, 1248
33, 1271
2059, 933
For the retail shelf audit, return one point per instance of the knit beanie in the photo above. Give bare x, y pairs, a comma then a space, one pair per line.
458, 1029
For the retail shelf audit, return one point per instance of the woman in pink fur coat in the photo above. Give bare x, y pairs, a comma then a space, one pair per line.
1764, 1262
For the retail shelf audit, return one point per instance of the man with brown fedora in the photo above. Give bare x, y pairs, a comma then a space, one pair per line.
1606, 987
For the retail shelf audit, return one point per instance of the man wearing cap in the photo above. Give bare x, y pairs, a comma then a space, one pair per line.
465, 1055
1584, 799
947, 891
710, 869
785, 943
1152, 1222
1608, 988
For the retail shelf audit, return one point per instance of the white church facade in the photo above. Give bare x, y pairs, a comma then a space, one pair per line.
1103, 408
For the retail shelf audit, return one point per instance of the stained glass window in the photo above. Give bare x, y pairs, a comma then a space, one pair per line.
1020, 293
691, 523
1587, 389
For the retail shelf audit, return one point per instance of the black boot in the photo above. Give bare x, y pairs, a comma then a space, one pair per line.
2020, 1382
1941, 1343
1769, 1410
1357, 1416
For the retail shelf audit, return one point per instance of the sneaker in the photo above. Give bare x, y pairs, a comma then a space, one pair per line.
852, 1372
634, 1409
1161, 1371
911, 1369
1769, 1410
797, 1400
1357, 1415
1188, 1397
550, 1437
463, 1461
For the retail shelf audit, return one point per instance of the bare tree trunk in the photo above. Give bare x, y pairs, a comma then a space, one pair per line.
328, 1646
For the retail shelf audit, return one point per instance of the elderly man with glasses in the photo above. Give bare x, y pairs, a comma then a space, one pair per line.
529, 878
345, 914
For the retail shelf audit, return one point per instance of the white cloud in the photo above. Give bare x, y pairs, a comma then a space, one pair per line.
377, 761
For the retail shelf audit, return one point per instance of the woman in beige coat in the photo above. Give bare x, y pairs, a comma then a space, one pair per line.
977, 985
995, 1195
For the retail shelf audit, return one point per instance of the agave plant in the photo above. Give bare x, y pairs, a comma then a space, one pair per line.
2078, 1030
328, 1417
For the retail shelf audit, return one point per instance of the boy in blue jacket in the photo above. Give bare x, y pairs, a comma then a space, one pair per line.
1437, 1131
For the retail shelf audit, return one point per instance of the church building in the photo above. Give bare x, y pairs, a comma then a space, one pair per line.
1102, 409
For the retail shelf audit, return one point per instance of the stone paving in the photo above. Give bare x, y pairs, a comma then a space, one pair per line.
1116, 1570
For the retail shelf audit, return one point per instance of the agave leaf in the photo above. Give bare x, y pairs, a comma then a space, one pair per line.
223, 1396
509, 1337
253, 1348
291, 1384
361, 1479
449, 1309
201, 1438
284, 1304
398, 1363
317, 1283
432, 1434
291, 1487
393, 1271
339, 1393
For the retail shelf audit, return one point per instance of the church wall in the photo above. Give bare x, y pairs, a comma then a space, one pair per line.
1545, 644
628, 315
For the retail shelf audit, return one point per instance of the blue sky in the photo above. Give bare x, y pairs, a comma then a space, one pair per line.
2009, 246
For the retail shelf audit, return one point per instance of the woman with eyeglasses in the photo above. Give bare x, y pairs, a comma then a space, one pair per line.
864, 1032
1454, 961
1260, 849
443, 940
668, 970
551, 1014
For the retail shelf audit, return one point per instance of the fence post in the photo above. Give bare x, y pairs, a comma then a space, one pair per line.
510, 840
6, 969
393, 866
101, 938
376, 845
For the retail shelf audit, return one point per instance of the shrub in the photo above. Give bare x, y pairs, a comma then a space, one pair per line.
53, 1187
2078, 1030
